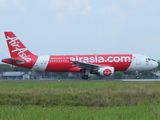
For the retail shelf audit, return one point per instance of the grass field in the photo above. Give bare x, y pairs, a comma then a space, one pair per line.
80, 100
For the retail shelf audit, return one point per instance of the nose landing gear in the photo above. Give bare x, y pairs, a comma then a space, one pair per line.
137, 74
85, 77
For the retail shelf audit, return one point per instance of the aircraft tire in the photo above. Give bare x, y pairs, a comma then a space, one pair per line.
85, 77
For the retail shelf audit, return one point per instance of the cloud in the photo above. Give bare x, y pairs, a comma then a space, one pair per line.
3, 4
115, 14
137, 2
75, 6
19, 4
66, 4
61, 18
66, 9
12, 4
87, 8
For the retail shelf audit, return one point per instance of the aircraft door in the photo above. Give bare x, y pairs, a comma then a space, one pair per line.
138, 60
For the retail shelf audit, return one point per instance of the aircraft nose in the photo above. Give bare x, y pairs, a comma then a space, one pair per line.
156, 64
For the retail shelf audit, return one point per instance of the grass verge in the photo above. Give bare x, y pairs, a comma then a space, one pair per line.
139, 112
92, 94
80, 100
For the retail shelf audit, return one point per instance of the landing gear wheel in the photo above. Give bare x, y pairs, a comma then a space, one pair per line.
85, 77
137, 74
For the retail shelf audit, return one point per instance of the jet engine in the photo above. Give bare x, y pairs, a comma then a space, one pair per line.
106, 71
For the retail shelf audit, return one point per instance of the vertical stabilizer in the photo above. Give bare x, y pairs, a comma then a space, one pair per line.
16, 47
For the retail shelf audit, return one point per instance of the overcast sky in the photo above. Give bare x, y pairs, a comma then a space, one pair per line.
66, 27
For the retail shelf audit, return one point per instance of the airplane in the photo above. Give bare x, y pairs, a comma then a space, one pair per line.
103, 65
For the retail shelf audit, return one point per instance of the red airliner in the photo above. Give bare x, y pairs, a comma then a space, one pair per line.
104, 65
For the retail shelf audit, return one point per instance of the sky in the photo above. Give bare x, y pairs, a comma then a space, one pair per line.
75, 27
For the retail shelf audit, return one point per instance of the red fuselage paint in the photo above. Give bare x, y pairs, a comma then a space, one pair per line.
62, 63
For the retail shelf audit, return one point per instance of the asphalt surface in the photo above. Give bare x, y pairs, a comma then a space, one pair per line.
79, 80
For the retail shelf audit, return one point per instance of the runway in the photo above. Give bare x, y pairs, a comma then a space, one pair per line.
80, 80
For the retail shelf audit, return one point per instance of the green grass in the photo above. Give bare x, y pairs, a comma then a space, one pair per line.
140, 112
92, 94
80, 100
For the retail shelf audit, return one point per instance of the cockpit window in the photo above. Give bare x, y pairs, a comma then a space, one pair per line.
150, 59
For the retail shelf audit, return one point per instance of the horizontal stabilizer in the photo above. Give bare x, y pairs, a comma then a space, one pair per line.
15, 61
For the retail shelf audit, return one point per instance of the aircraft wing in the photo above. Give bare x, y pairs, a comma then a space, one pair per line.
87, 66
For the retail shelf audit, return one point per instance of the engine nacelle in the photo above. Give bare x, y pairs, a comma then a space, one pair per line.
106, 71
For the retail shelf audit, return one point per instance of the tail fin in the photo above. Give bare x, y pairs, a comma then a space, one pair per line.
16, 47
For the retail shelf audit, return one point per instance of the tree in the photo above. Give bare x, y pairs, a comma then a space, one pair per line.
16, 68
5, 67
118, 75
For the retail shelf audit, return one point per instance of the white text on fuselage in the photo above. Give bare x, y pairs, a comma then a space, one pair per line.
20, 51
100, 59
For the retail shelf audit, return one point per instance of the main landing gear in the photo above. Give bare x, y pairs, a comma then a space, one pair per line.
85, 76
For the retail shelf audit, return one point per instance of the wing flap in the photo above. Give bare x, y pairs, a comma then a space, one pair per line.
87, 66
